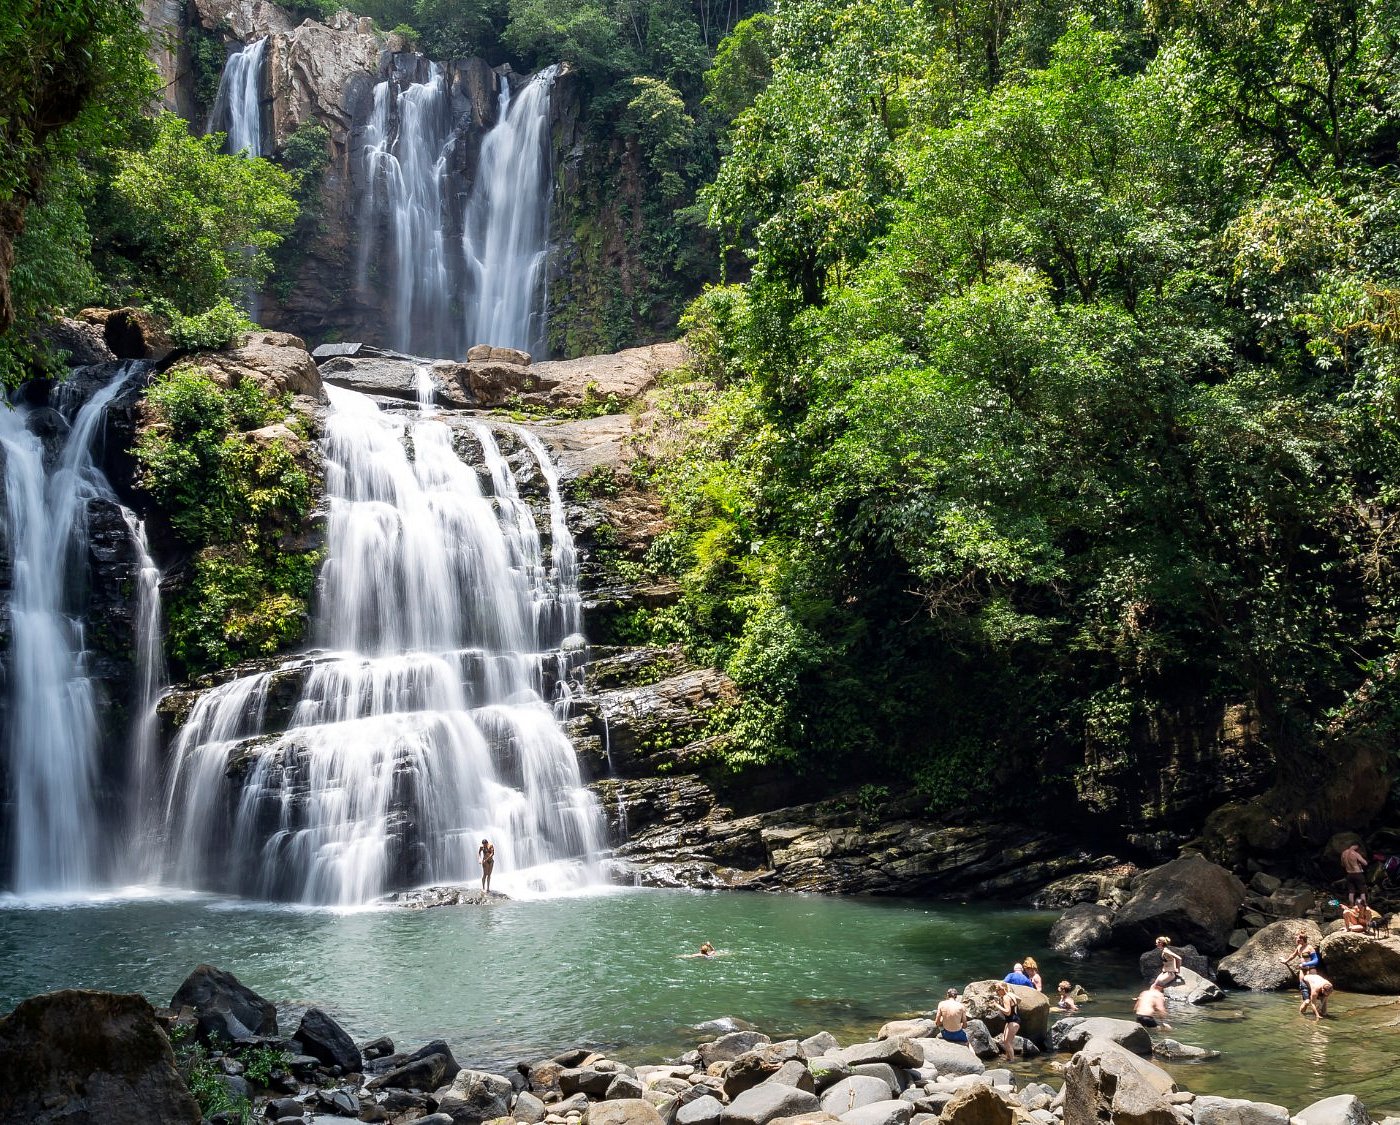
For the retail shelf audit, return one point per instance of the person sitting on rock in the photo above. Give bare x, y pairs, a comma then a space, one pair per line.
1032, 970
1066, 1002
1151, 1007
1353, 919
1315, 989
1017, 975
951, 1019
1011, 1009
1171, 963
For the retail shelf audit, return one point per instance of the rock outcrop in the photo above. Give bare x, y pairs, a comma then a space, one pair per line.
1105, 1082
1362, 962
89, 1058
1259, 963
1190, 900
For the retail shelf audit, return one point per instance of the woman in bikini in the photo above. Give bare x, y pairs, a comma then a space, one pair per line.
1171, 963
1011, 1009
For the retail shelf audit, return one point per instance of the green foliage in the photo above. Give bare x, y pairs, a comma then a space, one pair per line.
262, 1063
1062, 393
231, 496
741, 69
205, 1080
215, 327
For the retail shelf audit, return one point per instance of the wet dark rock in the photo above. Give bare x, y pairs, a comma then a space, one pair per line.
322, 1038
378, 1048
428, 1068
89, 1058
1190, 899
474, 1096
1082, 927
214, 992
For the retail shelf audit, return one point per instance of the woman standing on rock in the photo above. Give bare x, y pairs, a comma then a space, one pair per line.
1011, 1009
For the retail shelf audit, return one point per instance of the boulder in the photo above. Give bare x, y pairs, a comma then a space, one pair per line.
908, 1029
1362, 963
1192, 988
623, 1086
1075, 1032
528, 1108
1258, 964
980, 998
79, 1057
1082, 927
977, 1105
822, 1043
1180, 1052
276, 361
1236, 1111
324, 1039
897, 1051
766, 1102
729, 1047
1104, 1082
980, 1039
342, 1103
854, 1092
793, 1073
1150, 963
427, 1069
892, 1112
1189, 899
379, 1048
592, 1078
1342, 1109
1264, 884
949, 1058
827, 1070
894, 1079
627, 1111
704, 1110
208, 990
81, 340
136, 334
723, 1025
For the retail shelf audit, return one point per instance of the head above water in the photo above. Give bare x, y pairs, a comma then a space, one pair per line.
1065, 986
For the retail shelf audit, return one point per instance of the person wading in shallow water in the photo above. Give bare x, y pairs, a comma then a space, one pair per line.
487, 855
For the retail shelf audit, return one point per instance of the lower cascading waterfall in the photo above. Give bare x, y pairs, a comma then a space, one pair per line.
426, 724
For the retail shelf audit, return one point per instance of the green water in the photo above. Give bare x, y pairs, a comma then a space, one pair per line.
522, 979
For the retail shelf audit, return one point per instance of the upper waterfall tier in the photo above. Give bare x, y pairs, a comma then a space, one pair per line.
237, 109
427, 725
463, 257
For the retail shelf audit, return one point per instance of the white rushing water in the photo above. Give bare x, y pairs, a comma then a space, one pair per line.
425, 725
505, 234
488, 286
237, 109
51, 742
142, 810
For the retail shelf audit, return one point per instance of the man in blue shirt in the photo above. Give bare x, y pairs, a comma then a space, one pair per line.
1017, 975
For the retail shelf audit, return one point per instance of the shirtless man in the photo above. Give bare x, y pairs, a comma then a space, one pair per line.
1151, 1007
951, 1019
1354, 868
487, 855
1315, 989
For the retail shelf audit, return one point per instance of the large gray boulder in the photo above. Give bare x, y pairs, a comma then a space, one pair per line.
1342, 1109
475, 1096
950, 1058
1104, 1082
1190, 900
822, 1043
890, 1112
627, 1111
322, 1038
1362, 963
89, 1058
977, 1105
729, 1047
1236, 1111
766, 1102
1258, 964
1082, 927
1193, 988
704, 1110
429, 1068
980, 998
854, 1092
210, 990
920, 1028
827, 1070
1074, 1033
897, 1051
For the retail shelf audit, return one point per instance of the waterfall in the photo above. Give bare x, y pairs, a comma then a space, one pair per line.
446, 292
506, 230
406, 144
424, 725
51, 748
237, 107
149, 653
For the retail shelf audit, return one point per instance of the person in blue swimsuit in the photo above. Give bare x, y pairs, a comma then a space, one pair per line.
951, 1019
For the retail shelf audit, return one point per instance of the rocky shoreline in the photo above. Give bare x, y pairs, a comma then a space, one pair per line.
84, 1056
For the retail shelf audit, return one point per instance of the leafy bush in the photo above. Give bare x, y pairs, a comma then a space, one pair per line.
216, 327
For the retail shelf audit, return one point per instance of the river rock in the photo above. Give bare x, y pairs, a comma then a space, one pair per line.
1342, 1109
1190, 899
592, 1078
528, 1108
767, 1102
704, 1110
980, 998
890, 1112
910, 1029
1177, 1051
1192, 988
1082, 927
1104, 1082
794, 1073
544, 1080
950, 1058
324, 1039
1075, 1032
1362, 963
979, 1037
623, 1086
822, 1043
278, 362
729, 1047
854, 1092
210, 990
827, 1070
379, 1048
131, 333
78, 1057
977, 1105
897, 1052
628, 1111
1150, 963
428, 1068
1236, 1111
1258, 964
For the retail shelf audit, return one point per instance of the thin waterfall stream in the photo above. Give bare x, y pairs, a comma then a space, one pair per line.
423, 724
